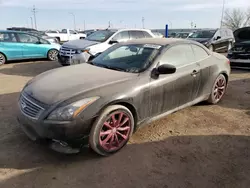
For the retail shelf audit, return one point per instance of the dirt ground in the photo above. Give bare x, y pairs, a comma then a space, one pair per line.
202, 146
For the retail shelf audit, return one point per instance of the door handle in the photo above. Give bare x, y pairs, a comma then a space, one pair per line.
194, 73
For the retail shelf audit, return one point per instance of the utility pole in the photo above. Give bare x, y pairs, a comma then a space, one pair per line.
74, 17
222, 14
143, 19
84, 26
109, 24
31, 20
192, 25
34, 11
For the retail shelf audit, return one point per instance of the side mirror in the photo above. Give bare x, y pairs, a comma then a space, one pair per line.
164, 69
217, 38
113, 42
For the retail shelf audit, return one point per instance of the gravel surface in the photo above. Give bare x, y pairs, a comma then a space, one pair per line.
202, 146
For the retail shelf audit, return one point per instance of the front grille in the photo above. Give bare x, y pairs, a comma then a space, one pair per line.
30, 108
68, 52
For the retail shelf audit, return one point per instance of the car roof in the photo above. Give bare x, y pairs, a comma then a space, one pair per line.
159, 41
13, 31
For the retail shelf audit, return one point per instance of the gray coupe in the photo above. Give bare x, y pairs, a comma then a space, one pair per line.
102, 102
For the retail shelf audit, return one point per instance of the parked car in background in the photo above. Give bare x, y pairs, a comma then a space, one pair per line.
239, 54
158, 34
17, 45
182, 35
80, 51
66, 35
103, 102
35, 32
88, 32
217, 40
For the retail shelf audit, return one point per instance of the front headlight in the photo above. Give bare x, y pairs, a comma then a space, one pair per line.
81, 51
67, 113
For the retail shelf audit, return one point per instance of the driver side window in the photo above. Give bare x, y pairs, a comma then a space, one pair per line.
179, 55
121, 36
72, 32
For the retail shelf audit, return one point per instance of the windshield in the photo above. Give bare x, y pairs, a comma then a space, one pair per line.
203, 34
100, 36
182, 35
128, 58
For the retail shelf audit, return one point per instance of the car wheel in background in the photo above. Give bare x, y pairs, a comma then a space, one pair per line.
53, 55
2, 59
111, 130
218, 90
211, 48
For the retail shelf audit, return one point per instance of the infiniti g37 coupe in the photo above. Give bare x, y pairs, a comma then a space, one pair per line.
102, 102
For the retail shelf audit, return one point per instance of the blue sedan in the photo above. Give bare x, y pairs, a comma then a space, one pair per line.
16, 45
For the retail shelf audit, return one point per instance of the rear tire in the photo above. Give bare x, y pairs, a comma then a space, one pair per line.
218, 89
53, 55
2, 59
111, 130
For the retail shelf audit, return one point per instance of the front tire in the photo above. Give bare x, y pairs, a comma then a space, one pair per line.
2, 59
111, 130
53, 55
218, 89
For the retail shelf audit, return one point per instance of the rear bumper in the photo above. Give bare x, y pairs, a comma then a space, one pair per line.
238, 60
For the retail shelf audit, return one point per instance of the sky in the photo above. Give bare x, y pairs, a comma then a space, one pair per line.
58, 14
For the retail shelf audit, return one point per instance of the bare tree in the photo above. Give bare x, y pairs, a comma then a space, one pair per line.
236, 18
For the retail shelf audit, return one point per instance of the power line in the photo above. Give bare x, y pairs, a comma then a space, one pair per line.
31, 20
143, 19
34, 11
222, 14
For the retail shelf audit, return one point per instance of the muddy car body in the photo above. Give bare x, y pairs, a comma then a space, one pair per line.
103, 102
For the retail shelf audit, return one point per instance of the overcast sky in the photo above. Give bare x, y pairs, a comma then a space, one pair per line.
55, 14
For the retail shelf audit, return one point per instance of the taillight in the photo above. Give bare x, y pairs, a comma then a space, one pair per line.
228, 61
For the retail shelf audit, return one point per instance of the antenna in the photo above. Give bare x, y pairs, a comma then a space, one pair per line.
143, 19
34, 11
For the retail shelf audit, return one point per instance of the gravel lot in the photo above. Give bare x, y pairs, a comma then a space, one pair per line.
202, 146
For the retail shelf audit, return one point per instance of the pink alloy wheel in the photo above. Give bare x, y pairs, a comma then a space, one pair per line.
115, 131
219, 89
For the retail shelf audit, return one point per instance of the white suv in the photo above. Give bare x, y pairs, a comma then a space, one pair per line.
80, 51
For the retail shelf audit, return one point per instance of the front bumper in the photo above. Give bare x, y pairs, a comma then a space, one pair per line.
75, 59
73, 133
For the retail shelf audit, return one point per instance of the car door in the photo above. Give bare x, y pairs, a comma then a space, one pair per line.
203, 59
73, 35
217, 41
10, 46
168, 92
31, 46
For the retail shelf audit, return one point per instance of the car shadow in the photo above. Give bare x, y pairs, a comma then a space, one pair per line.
28, 68
182, 161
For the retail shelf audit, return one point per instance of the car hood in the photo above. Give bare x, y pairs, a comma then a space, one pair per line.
79, 44
201, 40
242, 35
63, 83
